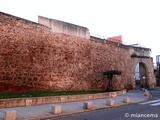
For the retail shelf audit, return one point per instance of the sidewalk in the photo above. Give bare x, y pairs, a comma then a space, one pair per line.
44, 111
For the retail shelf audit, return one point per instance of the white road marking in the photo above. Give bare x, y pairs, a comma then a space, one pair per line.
153, 101
155, 104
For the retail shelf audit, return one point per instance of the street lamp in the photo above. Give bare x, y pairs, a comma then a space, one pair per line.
144, 82
135, 82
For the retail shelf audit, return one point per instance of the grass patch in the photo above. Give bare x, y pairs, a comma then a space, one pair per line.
41, 93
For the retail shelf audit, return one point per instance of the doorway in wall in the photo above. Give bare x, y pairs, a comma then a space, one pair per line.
141, 75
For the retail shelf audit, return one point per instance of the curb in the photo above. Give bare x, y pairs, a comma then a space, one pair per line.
33, 101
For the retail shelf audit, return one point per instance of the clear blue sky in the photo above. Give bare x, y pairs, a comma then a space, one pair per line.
137, 21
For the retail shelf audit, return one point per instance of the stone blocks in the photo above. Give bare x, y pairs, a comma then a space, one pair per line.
113, 94
126, 100
56, 109
146, 92
87, 105
110, 102
10, 115
28, 102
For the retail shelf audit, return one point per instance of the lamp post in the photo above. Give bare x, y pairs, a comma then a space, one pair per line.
135, 82
144, 82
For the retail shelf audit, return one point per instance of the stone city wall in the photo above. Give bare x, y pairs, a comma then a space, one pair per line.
32, 55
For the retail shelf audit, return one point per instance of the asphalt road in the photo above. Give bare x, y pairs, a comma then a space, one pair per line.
148, 110
155, 92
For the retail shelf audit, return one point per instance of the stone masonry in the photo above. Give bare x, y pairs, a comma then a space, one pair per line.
34, 56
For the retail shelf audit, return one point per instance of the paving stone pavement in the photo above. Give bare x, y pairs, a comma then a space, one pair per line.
30, 112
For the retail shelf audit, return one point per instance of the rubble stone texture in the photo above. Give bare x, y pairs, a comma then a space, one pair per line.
33, 56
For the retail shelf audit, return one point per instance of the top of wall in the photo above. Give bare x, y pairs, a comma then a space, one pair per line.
139, 51
64, 27
136, 47
18, 18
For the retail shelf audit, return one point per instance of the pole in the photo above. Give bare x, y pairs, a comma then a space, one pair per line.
144, 82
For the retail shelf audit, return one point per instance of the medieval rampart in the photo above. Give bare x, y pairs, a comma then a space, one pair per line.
33, 55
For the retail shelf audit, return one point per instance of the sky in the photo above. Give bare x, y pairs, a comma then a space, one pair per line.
138, 21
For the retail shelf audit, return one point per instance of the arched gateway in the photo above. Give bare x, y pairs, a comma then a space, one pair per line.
144, 72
